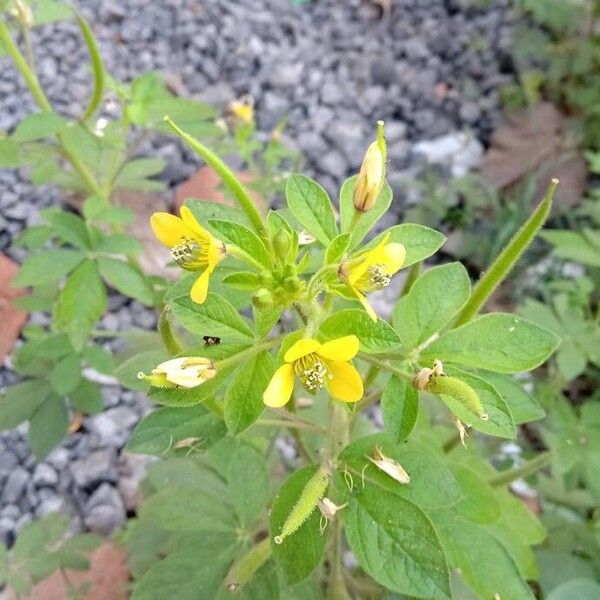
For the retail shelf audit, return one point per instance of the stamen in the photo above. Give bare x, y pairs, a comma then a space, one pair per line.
189, 254
378, 278
312, 372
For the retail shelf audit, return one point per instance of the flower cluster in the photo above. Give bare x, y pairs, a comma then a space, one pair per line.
315, 364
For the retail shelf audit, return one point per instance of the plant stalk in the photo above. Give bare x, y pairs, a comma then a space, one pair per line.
526, 469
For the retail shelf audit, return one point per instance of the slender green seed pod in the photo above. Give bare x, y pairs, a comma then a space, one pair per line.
459, 390
313, 491
247, 565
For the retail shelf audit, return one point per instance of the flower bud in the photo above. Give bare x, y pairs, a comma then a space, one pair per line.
186, 372
282, 242
262, 298
292, 284
372, 174
243, 110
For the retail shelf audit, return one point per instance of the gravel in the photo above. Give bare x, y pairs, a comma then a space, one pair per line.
431, 71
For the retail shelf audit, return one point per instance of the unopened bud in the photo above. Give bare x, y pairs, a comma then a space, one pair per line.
389, 466
282, 242
186, 372
292, 284
262, 298
371, 176
243, 109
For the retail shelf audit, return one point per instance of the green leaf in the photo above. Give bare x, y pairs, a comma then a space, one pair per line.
420, 241
170, 510
432, 302
39, 125
300, 553
119, 243
400, 407
99, 359
47, 266
395, 543
136, 173
115, 215
337, 248
66, 375
432, 483
69, 227
479, 502
87, 397
3, 564
571, 245
81, 303
216, 317
48, 426
373, 336
265, 319
497, 342
311, 205
20, 401
366, 220
162, 432
248, 483
582, 589
243, 238
205, 211
186, 575
243, 399
483, 562
500, 421
10, 153
242, 281
523, 406
126, 279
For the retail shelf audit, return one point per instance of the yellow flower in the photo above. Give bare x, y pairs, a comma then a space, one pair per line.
317, 366
243, 110
192, 247
373, 270
371, 176
186, 371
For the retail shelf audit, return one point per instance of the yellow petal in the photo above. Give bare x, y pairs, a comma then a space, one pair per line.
191, 223
280, 387
301, 348
345, 383
168, 228
200, 288
372, 257
343, 348
393, 257
365, 302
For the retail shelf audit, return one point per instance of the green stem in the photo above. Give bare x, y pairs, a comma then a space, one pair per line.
383, 365
28, 75
368, 400
227, 175
531, 466
244, 354
244, 256
166, 333
290, 424
506, 260
38, 93
213, 405
337, 585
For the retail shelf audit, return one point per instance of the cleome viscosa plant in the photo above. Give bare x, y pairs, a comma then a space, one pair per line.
286, 344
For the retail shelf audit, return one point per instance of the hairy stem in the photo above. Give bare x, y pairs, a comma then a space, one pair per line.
166, 333
385, 366
227, 175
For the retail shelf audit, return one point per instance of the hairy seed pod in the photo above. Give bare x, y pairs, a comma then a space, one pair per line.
313, 491
459, 390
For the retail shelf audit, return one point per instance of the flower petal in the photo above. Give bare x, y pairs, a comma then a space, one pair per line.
168, 228
343, 348
200, 287
301, 348
393, 257
279, 390
369, 258
345, 383
365, 302
191, 223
